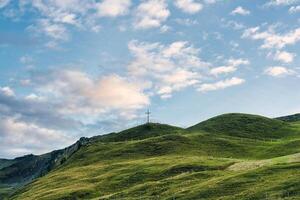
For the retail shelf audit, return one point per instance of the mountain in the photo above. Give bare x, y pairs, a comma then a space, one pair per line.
5, 162
232, 156
290, 118
20, 171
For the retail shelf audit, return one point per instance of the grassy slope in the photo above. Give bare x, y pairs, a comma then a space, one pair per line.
163, 162
290, 118
247, 126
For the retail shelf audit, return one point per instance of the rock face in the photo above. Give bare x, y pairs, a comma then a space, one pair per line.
22, 170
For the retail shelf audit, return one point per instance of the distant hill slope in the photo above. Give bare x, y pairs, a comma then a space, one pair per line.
290, 118
232, 156
20, 171
141, 132
244, 125
5, 162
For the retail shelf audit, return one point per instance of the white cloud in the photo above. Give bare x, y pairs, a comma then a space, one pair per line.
271, 39
112, 92
151, 14
237, 62
4, 3
284, 56
170, 67
232, 66
113, 8
278, 71
186, 22
176, 81
223, 70
34, 98
7, 91
189, 6
19, 137
69, 19
281, 2
158, 58
240, 11
55, 17
165, 29
294, 9
87, 96
67, 11
221, 84
56, 32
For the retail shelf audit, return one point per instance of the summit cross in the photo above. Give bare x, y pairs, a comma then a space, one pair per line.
148, 116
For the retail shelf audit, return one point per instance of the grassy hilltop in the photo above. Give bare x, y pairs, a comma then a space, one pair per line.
232, 156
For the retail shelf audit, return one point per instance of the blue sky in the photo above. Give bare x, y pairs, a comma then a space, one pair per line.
76, 68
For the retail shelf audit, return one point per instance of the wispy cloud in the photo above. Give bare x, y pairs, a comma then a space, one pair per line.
240, 11
232, 66
294, 9
170, 67
271, 39
281, 2
221, 84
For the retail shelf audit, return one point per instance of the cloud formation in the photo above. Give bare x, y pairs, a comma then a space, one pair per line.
294, 9
170, 67
18, 137
278, 71
284, 56
221, 84
231, 66
80, 94
151, 14
113, 8
240, 11
271, 39
189, 6
281, 2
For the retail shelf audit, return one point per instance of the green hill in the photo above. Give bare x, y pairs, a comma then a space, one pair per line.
245, 125
141, 132
290, 118
232, 156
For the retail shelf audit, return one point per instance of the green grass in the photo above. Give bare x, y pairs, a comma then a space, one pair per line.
246, 126
229, 157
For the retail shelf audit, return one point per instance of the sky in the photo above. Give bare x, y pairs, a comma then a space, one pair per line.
72, 68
